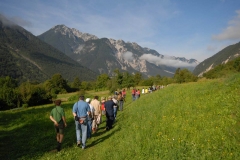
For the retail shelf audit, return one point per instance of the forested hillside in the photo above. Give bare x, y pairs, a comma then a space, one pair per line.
26, 58
222, 57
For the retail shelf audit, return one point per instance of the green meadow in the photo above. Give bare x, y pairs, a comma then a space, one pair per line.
199, 120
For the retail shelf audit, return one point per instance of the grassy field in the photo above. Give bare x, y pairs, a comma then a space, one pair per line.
198, 120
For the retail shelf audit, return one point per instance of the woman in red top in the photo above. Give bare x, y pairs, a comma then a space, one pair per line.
103, 105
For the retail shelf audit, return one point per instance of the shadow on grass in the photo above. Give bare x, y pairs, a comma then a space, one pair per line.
30, 133
101, 135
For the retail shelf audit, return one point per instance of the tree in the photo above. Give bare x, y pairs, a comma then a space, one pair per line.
236, 64
102, 81
85, 85
76, 83
182, 76
137, 78
25, 91
128, 80
39, 96
118, 77
8, 93
58, 84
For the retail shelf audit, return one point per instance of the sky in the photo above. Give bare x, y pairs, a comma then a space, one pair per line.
195, 29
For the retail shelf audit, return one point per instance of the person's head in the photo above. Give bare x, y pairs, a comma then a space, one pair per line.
81, 97
103, 99
109, 97
88, 100
95, 97
58, 102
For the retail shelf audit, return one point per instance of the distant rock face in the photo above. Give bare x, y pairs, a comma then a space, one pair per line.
104, 55
72, 33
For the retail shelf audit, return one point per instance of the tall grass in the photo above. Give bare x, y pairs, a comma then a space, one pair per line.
189, 121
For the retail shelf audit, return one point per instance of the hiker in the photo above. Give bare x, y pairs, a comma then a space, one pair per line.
109, 113
80, 111
133, 94
90, 119
97, 113
143, 91
146, 91
124, 93
120, 99
57, 116
102, 105
115, 107
137, 94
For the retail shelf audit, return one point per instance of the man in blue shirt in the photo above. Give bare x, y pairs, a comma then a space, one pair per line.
80, 111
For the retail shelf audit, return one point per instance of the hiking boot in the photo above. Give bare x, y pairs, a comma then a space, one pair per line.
58, 147
78, 143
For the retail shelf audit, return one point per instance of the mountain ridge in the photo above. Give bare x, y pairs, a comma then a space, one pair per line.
127, 56
27, 58
222, 57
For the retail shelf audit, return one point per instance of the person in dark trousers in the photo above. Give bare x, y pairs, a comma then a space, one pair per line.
57, 116
109, 104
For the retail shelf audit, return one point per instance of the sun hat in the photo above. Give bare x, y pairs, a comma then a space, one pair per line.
88, 100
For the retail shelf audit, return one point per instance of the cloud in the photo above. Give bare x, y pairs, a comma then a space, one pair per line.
128, 56
232, 32
211, 48
167, 60
19, 21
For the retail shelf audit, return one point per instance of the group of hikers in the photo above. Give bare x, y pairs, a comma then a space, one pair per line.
136, 92
87, 114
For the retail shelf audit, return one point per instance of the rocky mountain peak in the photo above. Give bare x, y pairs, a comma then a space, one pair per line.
71, 32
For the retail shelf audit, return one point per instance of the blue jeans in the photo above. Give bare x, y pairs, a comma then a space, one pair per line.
81, 133
89, 129
115, 112
133, 97
137, 96
120, 105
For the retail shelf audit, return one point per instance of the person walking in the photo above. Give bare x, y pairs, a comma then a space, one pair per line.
89, 119
80, 111
57, 116
133, 94
97, 113
137, 94
115, 107
120, 99
143, 91
124, 93
103, 100
109, 104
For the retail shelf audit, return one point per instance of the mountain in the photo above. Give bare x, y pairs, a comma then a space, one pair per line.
26, 58
104, 55
222, 57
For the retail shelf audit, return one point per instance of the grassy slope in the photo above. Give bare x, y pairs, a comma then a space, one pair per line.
188, 121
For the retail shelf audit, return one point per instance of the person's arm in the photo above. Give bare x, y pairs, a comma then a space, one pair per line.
99, 108
74, 110
53, 120
74, 114
88, 110
64, 120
